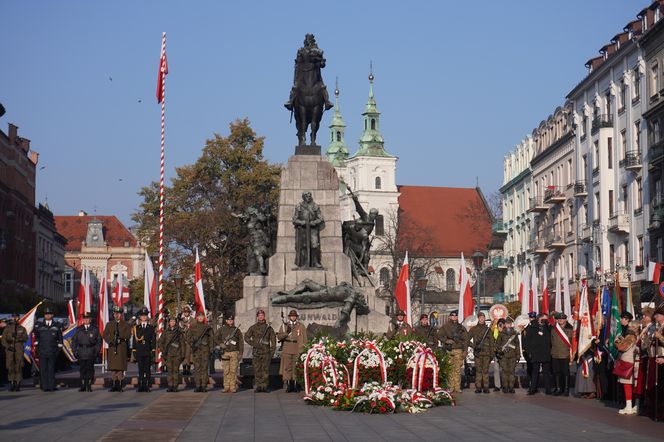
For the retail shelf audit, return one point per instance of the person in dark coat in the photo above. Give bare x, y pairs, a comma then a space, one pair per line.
116, 334
537, 344
48, 342
143, 351
86, 344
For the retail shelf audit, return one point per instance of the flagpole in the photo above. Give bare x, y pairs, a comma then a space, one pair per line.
160, 300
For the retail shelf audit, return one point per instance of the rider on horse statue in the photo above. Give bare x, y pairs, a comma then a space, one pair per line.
308, 95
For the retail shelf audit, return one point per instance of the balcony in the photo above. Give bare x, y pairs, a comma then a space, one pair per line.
554, 195
656, 218
537, 205
586, 233
619, 222
601, 121
633, 160
555, 242
499, 228
580, 189
538, 247
656, 153
498, 262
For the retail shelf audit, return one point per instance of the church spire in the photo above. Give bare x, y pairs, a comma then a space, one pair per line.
337, 151
371, 141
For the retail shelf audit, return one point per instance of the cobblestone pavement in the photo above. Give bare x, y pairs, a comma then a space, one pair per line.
186, 416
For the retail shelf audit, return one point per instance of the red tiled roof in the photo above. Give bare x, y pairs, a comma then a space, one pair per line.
75, 228
443, 221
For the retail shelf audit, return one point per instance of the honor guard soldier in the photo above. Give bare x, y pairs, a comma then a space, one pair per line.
263, 341
116, 335
201, 340
537, 343
143, 350
399, 327
86, 344
171, 345
293, 336
186, 321
455, 342
14, 338
231, 343
561, 346
427, 331
483, 351
48, 342
508, 354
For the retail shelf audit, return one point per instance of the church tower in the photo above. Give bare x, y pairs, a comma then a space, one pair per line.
337, 151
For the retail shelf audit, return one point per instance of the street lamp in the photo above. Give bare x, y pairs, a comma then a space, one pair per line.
177, 278
478, 259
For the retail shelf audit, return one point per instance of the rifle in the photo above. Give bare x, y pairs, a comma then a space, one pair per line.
478, 347
269, 326
500, 353
175, 335
288, 327
228, 340
198, 340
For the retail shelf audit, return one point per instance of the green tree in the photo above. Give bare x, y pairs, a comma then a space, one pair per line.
229, 176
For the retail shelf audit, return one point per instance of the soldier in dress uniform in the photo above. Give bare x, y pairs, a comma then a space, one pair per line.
143, 349
508, 353
561, 344
427, 331
48, 342
116, 335
229, 338
201, 340
171, 345
293, 336
455, 341
14, 338
483, 350
399, 327
86, 344
186, 321
263, 341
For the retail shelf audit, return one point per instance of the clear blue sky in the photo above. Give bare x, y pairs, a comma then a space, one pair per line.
459, 84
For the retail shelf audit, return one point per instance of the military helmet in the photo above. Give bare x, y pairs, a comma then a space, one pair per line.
293, 313
48, 310
143, 312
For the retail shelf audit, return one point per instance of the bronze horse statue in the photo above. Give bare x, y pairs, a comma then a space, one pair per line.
308, 98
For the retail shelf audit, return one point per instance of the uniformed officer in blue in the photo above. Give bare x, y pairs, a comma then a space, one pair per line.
86, 344
48, 342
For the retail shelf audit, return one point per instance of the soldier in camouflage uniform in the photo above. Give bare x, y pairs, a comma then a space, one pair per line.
508, 352
171, 345
455, 341
263, 341
229, 338
399, 327
201, 339
483, 350
13, 340
186, 321
426, 331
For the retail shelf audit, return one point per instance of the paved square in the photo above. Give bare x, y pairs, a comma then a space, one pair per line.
187, 416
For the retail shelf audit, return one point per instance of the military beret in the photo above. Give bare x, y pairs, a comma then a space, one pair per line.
229, 317
293, 313
258, 312
501, 321
626, 315
454, 313
424, 316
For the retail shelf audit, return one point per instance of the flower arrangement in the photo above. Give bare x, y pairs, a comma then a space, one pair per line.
363, 374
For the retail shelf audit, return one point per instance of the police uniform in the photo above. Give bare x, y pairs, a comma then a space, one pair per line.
86, 344
143, 349
201, 340
454, 338
263, 341
171, 345
398, 327
508, 353
231, 343
48, 342
185, 323
116, 334
483, 350
427, 332
14, 338
293, 337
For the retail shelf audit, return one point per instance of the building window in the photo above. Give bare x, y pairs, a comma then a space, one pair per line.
637, 84
378, 183
623, 95
338, 136
625, 199
611, 203
385, 277
585, 167
609, 152
654, 79
380, 225
68, 283
639, 257
596, 217
596, 158
373, 124
450, 279
607, 100
623, 144
639, 194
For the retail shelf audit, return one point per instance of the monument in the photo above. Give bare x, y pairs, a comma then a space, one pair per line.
309, 269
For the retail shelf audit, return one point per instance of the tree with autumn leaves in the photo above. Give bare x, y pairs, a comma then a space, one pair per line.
229, 176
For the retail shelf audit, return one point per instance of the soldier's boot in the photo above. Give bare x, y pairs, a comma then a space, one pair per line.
83, 386
12, 386
289, 386
17, 386
557, 390
565, 385
120, 386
